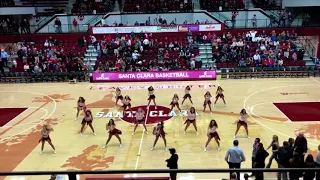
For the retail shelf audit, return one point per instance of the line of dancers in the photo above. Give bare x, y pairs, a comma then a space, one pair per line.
158, 130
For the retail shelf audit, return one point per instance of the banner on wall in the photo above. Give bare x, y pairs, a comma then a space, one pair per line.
153, 76
156, 29
210, 27
186, 28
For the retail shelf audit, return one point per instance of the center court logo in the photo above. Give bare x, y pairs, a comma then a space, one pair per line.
153, 115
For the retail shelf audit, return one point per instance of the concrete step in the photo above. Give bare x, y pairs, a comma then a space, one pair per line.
309, 63
90, 59
92, 54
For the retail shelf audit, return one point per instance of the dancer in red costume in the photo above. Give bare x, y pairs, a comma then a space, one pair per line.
187, 95
175, 102
140, 119
242, 122
212, 133
219, 94
87, 120
126, 104
158, 131
191, 119
81, 105
151, 97
118, 95
46, 129
207, 101
113, 131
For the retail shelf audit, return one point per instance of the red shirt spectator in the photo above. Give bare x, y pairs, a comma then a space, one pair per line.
75, 22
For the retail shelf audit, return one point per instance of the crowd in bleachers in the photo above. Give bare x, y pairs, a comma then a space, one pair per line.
9, 25
142, 52
49, 55
251, 49
157, 6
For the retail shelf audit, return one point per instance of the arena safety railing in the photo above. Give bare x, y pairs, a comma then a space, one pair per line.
72, 175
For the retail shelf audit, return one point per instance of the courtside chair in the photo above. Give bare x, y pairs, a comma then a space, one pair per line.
224, 74
231, 73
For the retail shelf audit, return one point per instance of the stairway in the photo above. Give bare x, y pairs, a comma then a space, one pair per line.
205, 51
90, 57
307, 56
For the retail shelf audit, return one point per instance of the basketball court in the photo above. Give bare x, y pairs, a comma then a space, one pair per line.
275, 106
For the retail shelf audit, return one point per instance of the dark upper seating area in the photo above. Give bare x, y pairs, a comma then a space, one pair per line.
213, 5
83, 7
6, 3
51, 7
157, 6
267, 4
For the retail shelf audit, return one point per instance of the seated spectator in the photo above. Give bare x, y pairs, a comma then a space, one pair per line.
26, 67
242, 63
257, 58
198, 58
309, 163
294, 56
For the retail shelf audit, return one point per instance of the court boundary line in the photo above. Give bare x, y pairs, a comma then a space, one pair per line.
263, 125
46, 113
141, 141
26, 108
32, 92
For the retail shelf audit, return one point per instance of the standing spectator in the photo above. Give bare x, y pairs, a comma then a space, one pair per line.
4, 58
254, 21
309, 163
284, 155
75, 25
233, 18
234, 157
291, 143
318, 163
57, 25
259, 161
295, 162
172, 163
301, 145
254, 152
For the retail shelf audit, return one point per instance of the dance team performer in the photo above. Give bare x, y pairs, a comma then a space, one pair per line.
212, 133
158, 131
207, 101
113, 131
81, 105
87, 119
118, 95
191, 119
46, 129
242, 122
219, 94
151, 97
140, 119
175, 102
187, 95
126, 104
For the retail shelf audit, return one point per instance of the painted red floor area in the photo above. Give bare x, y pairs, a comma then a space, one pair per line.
7, 114
300, 111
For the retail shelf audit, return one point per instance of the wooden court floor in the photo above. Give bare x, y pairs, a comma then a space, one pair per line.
54, 104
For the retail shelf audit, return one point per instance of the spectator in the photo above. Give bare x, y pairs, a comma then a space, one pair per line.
234, 157
257, 58
259, 161
318, 163
172, 163
291, 143
57, 25
26, 67
75, 25
294, 56
309, 163
254, 21
295, 162
280, 62
284, 154
4, 58
301, 145
246, 176
254, 152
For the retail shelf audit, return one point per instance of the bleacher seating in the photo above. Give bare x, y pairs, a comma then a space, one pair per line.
84, 7
157, 6
213, 5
